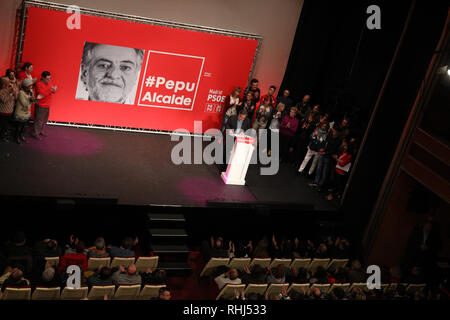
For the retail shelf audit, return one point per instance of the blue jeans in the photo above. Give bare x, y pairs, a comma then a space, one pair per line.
322, 170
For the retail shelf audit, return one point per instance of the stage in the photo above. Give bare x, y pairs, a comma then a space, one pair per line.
136, 169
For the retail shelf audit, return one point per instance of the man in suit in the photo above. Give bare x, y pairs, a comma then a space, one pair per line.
237, 124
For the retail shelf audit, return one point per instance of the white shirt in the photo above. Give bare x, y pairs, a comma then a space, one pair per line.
222, 281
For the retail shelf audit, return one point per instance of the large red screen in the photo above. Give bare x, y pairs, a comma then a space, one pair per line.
136, 75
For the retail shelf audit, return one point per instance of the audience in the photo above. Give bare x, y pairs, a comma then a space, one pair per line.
164, 294
288, 128
253, 88
256, 275
343, 163
326, 159
229, 277
231, 106
285, 99
125, 250
74, 258
316, 143
101, 277
126, 275
27, 73
270, 96
153, 277
248, 105
276, 275
15, 279
45, 275
18, 253
304, 107
47, 248
49, 277
7, 102
99, 250
263, 115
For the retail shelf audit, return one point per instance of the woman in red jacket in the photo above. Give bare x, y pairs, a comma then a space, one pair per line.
344, 162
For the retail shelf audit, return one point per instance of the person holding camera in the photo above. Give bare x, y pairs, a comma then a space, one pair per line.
22, 113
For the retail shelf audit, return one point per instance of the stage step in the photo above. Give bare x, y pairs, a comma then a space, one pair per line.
167, 248
166, 217
169, 240
168, 232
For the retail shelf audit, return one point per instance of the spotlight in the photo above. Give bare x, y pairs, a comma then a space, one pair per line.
444, 70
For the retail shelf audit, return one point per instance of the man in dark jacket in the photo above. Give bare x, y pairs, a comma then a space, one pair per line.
237, 124
101, 277
326, 159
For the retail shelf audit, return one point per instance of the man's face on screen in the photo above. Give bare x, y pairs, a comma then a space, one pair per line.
111, 73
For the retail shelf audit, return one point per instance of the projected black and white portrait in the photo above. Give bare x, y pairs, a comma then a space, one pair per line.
109, 73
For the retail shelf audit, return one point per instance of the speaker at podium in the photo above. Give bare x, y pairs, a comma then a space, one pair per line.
239, 160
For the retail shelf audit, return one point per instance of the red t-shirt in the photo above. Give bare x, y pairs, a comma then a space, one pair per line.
273, 101
78, 259
46, 91
23, 75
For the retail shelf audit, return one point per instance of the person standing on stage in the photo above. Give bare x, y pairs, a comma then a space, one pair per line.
12, 80
7, 98
248, 105
22, 113
271, 96
231, 104
44, 94
253, 87
27, 72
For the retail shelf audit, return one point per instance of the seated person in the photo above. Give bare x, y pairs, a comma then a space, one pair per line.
356, 273
44, 274
126, 275
49, 277
18, 252
231, 276
152, 277
256, 275
320, 276
125, 250
47, 248
213, 249
277, 275
101, 277
164, 294
78, 258
99, 250
15, 280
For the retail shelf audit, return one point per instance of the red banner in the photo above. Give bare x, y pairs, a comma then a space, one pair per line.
128, 74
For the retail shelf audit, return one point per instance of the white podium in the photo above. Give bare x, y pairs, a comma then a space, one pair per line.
239, 160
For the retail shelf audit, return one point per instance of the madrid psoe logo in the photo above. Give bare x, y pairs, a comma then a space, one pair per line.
170, 80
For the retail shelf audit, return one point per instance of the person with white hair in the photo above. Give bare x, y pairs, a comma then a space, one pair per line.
109, 73
99, 250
